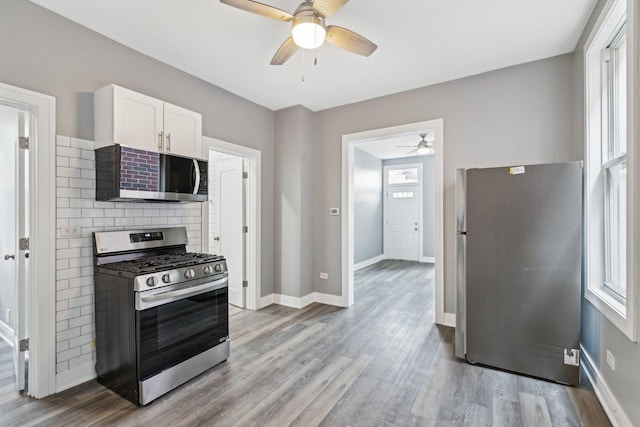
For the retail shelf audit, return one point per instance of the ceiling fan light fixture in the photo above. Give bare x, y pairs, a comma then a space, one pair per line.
424, 150
308, 30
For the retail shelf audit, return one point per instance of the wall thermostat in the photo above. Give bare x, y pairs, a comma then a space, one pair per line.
334, 211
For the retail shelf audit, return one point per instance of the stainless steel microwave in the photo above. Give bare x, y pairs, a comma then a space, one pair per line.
131, 174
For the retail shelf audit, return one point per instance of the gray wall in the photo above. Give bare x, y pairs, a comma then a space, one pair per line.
428, 200
516, 115
367, 206
598, 333
293, 202
46, 53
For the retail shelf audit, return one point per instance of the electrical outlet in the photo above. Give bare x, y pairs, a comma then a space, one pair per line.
611, 361
70, 231
324, 276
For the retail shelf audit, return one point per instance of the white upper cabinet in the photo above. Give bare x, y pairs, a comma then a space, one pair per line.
122, 116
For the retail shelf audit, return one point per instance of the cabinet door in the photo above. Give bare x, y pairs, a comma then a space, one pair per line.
183, 131
137, 120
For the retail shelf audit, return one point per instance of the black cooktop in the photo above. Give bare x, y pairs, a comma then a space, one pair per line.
152, 264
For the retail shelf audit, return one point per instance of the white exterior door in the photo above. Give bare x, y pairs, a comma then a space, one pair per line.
12, 259
230, 205
403, 222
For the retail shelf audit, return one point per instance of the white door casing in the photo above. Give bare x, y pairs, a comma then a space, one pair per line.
253, 200
230, 208
349, 142
40, 222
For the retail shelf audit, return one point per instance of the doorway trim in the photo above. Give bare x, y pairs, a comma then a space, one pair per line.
385, 207
349, 141
253, 209
40, 311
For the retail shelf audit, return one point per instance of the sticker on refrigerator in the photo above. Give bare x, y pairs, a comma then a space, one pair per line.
516, 170
571, 357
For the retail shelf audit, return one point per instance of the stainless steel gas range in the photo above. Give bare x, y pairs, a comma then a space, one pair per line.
162, 313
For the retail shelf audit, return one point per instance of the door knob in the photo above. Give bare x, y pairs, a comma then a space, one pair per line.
217, 238
8, 257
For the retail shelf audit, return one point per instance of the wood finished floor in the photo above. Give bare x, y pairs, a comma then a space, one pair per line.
381, 362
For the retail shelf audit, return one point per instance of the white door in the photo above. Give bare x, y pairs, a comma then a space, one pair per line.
230, 208
403, 224
11, 293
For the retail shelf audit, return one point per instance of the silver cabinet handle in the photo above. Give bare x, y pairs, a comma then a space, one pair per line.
168, 142
160, 141
8, 257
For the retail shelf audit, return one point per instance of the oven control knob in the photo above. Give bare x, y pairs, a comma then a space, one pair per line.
189, 273
166, 278
152, 281
218, 268
207, 269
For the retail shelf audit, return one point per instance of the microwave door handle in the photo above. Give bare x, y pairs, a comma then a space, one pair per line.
196, 186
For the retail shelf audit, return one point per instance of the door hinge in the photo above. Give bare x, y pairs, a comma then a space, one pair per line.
24, 344
245, 175
245, 284
23, 243
23, 142
245, 229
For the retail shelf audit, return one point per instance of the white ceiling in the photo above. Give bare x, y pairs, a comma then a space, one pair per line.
421, 42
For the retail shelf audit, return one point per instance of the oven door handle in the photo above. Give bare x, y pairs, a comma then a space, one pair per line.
176, 295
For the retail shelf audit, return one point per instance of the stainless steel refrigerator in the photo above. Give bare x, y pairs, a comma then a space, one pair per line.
518, 269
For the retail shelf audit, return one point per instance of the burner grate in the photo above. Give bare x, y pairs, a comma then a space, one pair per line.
162, 262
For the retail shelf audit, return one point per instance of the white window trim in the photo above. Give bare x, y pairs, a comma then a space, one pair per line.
623, 316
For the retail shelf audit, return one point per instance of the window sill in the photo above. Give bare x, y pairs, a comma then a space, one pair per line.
616, 312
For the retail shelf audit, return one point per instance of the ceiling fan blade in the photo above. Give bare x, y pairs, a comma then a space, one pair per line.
412, 152
406, 146
350, 41
328, 7
260, 9
285, 51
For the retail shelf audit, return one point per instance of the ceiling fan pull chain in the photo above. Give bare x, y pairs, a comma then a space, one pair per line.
303, 55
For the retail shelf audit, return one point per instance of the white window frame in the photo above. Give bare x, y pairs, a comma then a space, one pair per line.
621, 312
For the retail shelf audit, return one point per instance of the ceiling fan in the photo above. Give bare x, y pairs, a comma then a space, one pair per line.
423, 147
308, 29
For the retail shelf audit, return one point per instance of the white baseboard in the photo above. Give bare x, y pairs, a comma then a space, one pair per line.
368, 262
328, 299
6, 333
74, 376
607, 399
448, 319
429, 259
295, 302
265, 301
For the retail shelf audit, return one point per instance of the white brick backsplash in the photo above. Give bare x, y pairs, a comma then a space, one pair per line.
62, 161
80, 321
77, 207
69, 354
68, 314
67, 335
